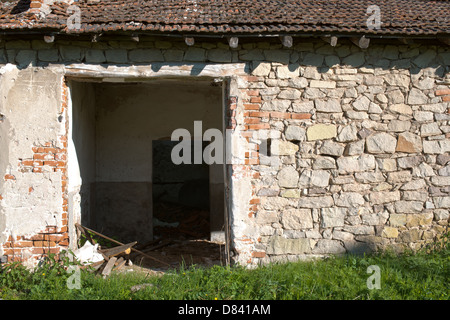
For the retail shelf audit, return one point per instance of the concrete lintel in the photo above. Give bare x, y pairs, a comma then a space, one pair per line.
156, 70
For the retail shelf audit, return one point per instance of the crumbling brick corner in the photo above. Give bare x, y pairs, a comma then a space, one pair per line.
53, 239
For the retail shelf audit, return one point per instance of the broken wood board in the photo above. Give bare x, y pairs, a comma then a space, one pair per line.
109, 266
126, 249
119, 263
119, 243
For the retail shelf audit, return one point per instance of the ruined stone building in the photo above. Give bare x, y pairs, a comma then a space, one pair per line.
334, 115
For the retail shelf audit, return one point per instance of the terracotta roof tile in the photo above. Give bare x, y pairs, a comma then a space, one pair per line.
398, 17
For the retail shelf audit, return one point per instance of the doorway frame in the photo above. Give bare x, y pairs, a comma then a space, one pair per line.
224, 73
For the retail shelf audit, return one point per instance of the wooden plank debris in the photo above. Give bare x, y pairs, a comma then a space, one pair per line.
109, 266
120, 263
126, 249
121, 244
85, 233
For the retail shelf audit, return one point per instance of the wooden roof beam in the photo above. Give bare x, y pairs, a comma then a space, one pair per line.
362, 42
287, 41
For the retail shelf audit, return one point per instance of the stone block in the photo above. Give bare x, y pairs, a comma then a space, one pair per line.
430, 129
195, 54
283, 148
321, 131
347, 134
326, 246
95, 56
26, 57
343, 236
440, 181
355, 59
288, 177
419, 219
369, 177
400, 80
268, 192
290, 94
297, 219
382, 197
414, 185
359, 229
441, 214
281, 56
409, 143
48, 55
146, 55
303, 107
424, 59
173, 55
116, 56
401, 108
381, 143
261, 69
314, 178
324, 163
423, 170
331, 105
332, 61
387, 164
290, 193
416, 96
295, 133
409, 162
290, 71
298, 83
412, 235
399, 176
361, 104
414, 196
332, 217
322, 84
397, 219
395, 97
251, 55
408, 206
278, 245
356, 115
276, 105
389, 232
332, 148
316, 202
433, 147
349, 200
313, 59
423, 115
441, 202
355, 148
353, 164
399, 125
219, 55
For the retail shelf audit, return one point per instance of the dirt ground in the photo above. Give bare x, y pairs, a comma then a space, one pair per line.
181, 240
183, 244
179, 253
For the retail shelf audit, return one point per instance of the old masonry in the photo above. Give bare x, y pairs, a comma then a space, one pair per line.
357, 119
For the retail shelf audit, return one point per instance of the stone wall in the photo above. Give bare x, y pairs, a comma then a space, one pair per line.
363, 140
357, 141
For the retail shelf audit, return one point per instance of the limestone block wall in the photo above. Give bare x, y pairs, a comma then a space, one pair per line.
362, 140
346, 150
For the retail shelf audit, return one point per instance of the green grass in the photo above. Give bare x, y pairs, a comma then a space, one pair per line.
420, 275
